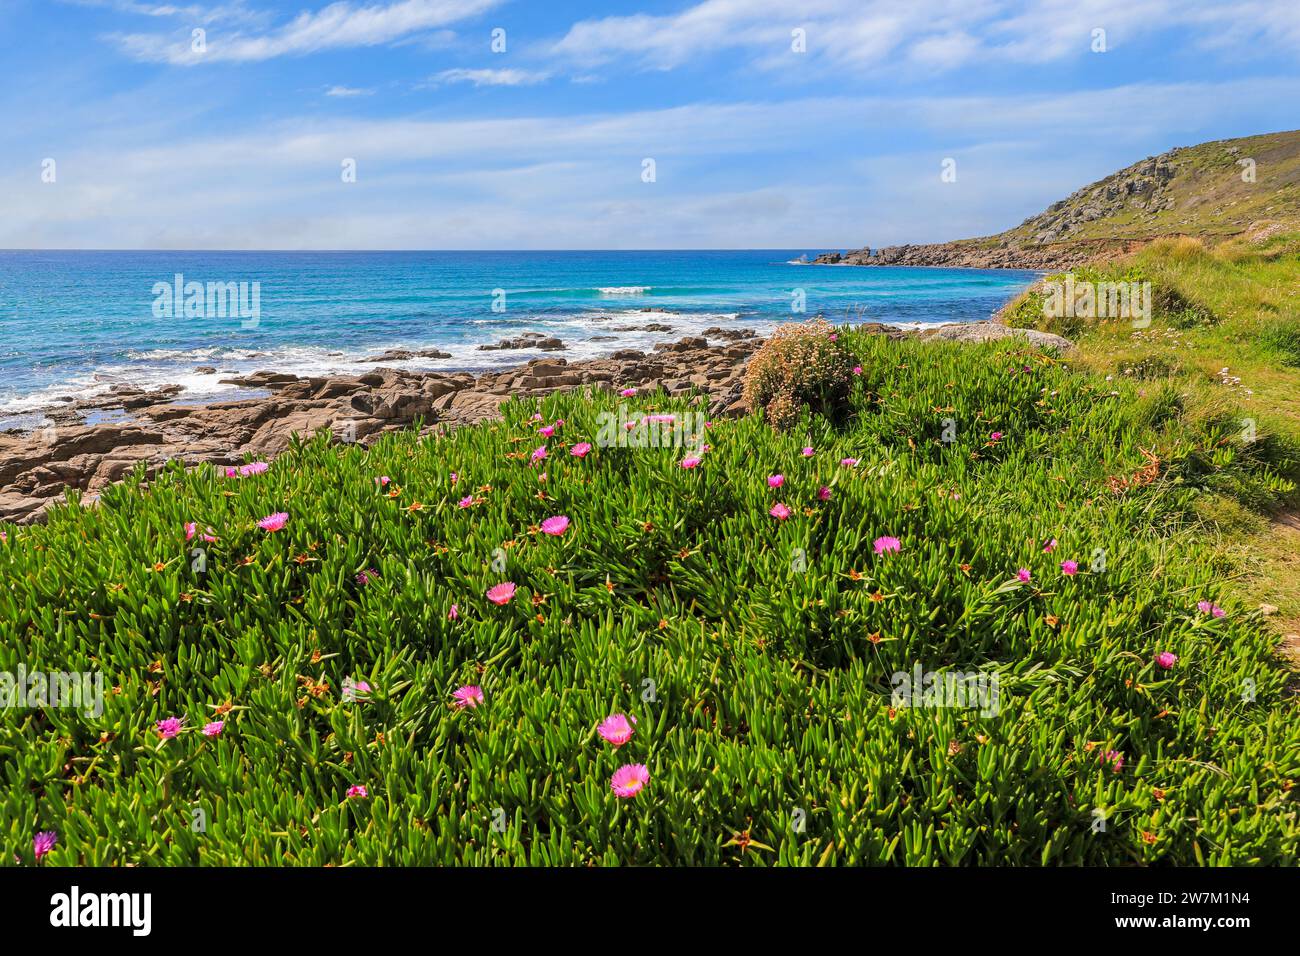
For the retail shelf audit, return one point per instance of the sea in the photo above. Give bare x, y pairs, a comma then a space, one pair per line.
75, 324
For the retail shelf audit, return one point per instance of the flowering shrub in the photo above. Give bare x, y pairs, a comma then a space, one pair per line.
640, 663
800, 365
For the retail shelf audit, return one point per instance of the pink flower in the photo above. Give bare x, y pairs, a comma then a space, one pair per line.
501, 593
382, 480
1069, 568
775, 481
779, 511
808, 453
471, 695
43, 843
887, 545
616, 729
996, 436
1209, 607
232, 472
546, 431
1166, 660
857, 370
1115, 758
691, 462
454, 477
253, 468
629, 779
358, 792
539, 454
833, 337
628, 392
191, 529
580, 450
454, 613
365, 576
1049, 546
274, 522
1024, 575
849, 462
555, 526
213, 728
466, 501
169, 727
824, 493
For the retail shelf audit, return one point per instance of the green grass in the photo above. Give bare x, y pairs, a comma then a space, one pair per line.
1245, 300
743, 645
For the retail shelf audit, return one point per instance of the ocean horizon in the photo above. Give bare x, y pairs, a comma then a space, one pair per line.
74, 324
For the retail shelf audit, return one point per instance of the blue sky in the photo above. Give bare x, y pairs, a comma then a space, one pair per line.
241, 143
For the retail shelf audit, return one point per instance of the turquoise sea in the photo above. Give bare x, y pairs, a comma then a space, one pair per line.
77, 323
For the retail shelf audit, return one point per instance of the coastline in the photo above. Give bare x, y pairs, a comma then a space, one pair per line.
100, 440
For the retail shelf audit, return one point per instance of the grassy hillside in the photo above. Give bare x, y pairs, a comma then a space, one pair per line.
1198, 191
757, 653
1225, 335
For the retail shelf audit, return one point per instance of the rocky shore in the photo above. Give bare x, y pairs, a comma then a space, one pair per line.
151, 427
976, 254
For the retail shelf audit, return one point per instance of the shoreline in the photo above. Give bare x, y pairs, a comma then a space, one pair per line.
153, 427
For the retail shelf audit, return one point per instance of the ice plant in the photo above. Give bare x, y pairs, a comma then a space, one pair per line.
1069, 568
471, 695
546, 431
1209, 607
616, 729
358, 792
367, 575
1115, 759
191, 529
169, 727
213, 728
538, 454
886, 544
580, 450
779, 511
808, 453
43, 843
466, 501
555, 526
775, 481
454, 613
382, 480
501, 593
824, 493
849, 462
629, 779
628, 392
1049, 546
1166, 660
857, 370
274, 522
691, 462
1024, 575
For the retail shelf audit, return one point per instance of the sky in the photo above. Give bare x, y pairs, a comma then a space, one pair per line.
623, 124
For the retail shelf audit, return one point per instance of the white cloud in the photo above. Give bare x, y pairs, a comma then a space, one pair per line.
340, 25
347, 91
876, 35
827, 171
491, 77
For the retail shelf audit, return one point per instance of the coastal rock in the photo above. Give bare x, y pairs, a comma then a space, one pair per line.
527, 340
991, 331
